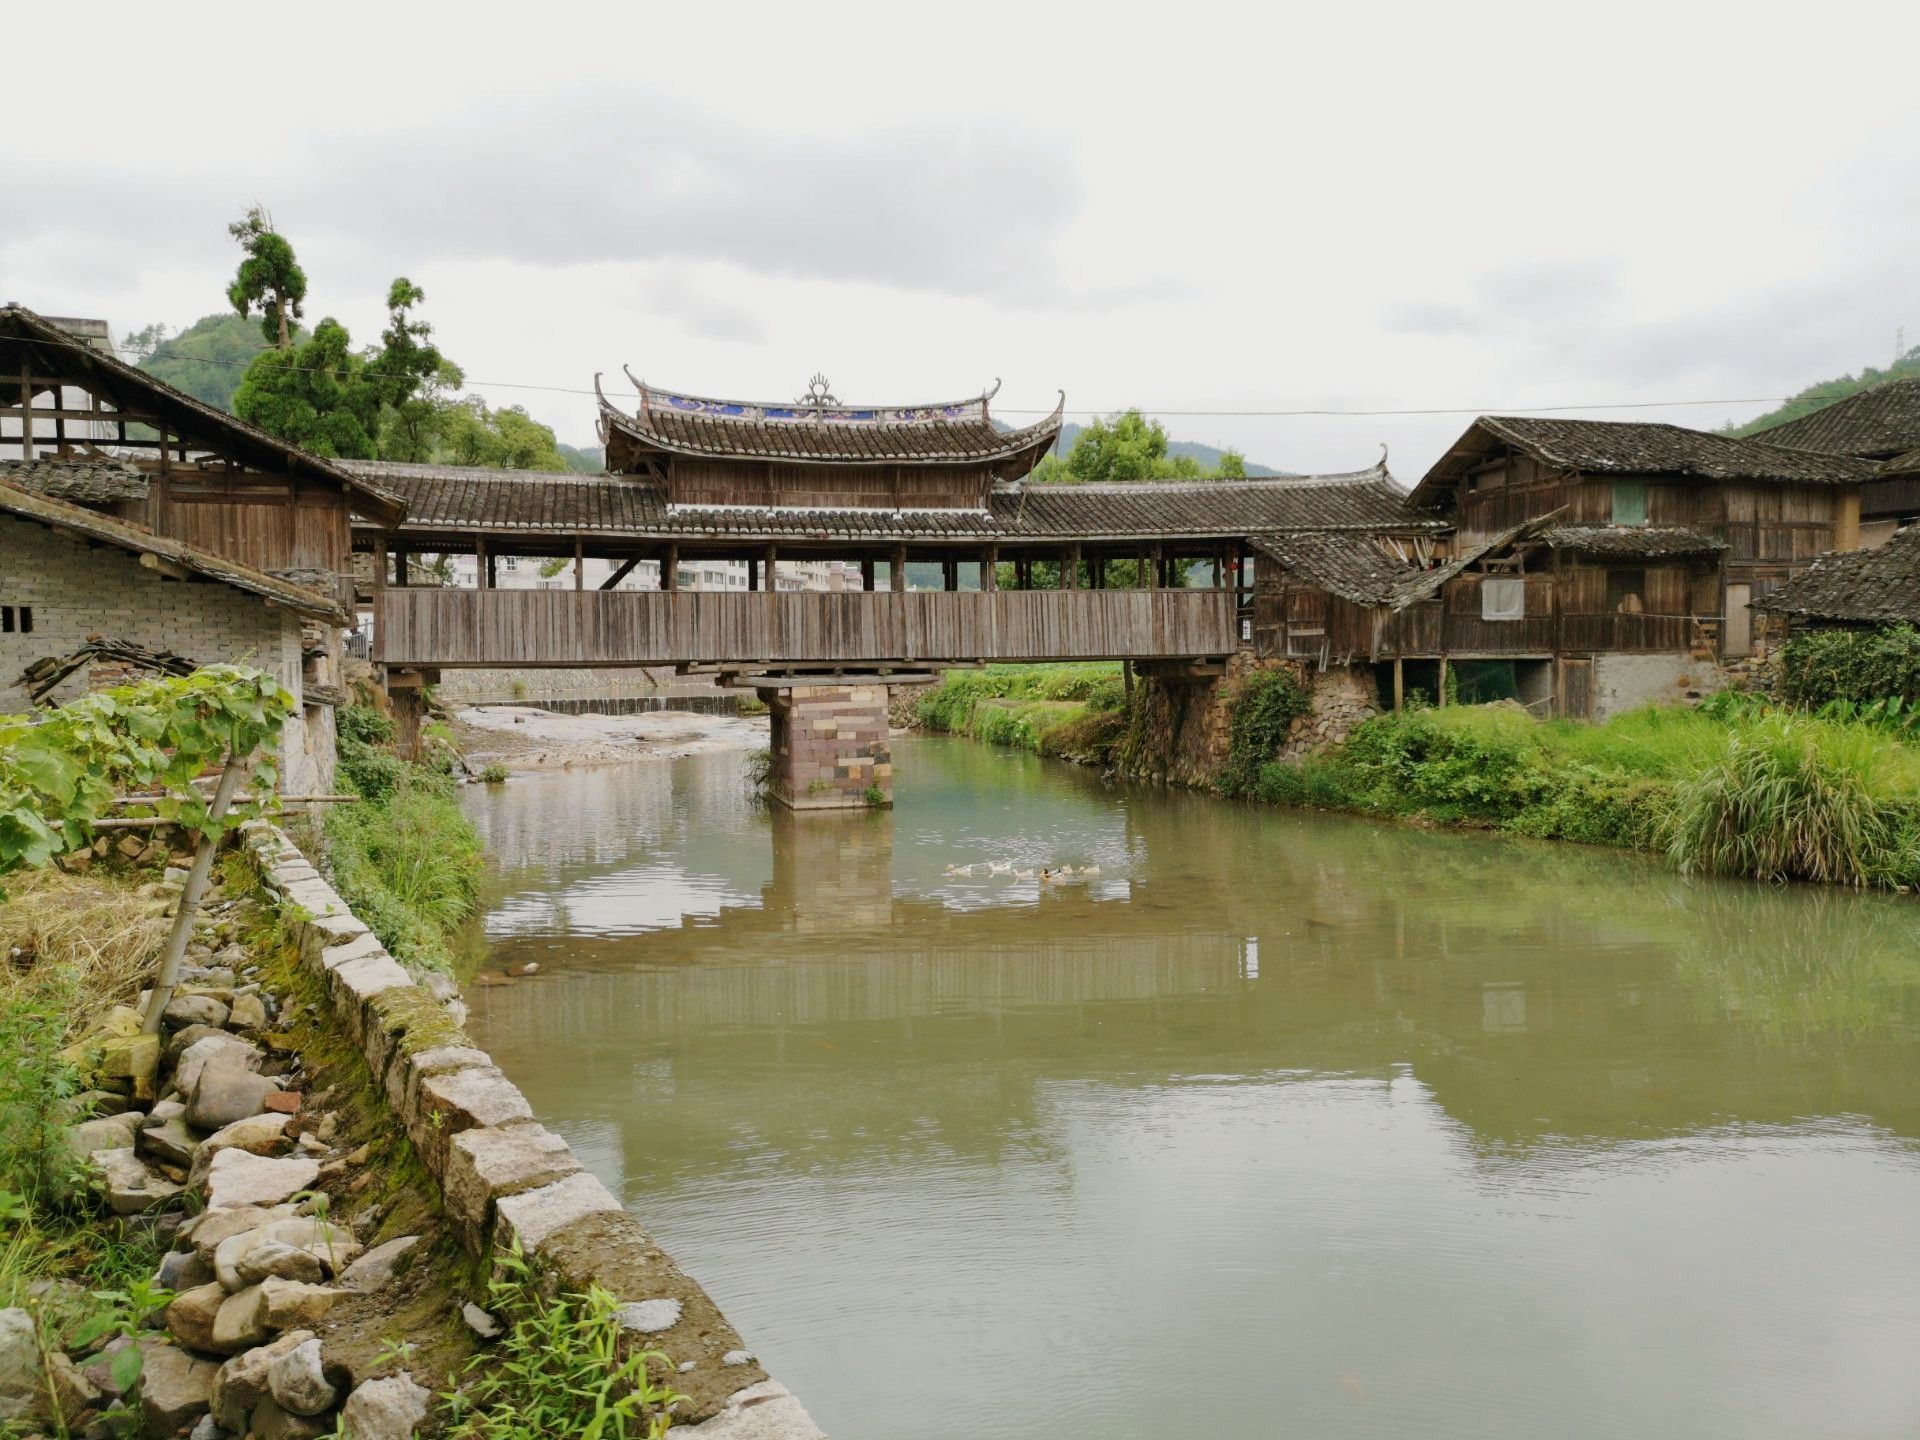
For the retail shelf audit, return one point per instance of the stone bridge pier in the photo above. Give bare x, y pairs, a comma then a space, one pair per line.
829, 746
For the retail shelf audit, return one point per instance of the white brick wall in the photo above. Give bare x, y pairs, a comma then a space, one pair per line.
76, 589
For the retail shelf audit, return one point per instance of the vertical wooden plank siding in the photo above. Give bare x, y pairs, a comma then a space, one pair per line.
639, 627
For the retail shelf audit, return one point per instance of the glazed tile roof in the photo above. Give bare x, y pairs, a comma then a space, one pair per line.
1882, 421
1649, 542
138, 540
1633, 447
940, 433
1859, 586
452, 499
83, 481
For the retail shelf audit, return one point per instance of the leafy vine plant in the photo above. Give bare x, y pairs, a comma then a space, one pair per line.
138, 750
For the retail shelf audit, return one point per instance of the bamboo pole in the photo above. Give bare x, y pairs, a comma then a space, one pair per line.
231, 778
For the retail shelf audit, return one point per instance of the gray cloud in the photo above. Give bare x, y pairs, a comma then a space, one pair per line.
973, 211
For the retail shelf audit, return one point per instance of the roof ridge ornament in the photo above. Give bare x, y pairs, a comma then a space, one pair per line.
819, 392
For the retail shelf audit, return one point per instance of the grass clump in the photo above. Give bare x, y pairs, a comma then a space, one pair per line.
406, 860
1731, 787
560, 1369
1069, 711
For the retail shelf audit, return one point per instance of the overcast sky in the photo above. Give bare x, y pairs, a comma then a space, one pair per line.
1182, 207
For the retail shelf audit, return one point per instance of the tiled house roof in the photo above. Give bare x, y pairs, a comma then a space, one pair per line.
138, 540
1636, 542
1632, 447
82, 481
1879, 422
456, 500
1856, 587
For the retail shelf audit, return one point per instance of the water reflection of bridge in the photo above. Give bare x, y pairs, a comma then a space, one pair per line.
1642, 1010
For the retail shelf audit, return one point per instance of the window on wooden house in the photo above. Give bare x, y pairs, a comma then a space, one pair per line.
1626, 591
1630, 503
1503, 597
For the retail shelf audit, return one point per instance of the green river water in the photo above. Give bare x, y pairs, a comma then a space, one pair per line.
1281, 1125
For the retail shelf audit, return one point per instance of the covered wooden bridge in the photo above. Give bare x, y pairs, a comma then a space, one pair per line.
1158, 573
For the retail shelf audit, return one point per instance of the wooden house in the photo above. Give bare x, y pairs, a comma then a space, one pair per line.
1606, 563
1855, 590
182, 468
1881, 424
93, 436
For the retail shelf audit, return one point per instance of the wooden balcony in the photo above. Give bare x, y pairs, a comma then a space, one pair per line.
523, 628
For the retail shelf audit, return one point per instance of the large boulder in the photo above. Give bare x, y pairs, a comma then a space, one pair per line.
262, 1134
110, 1132
389, 1409
294, 1304
170, 1142
327, 1248
129, 1186
241, 1322
224, 1092
195, 1010
191, 1315
214, 1045
175, 1388
23, 1392
208, 1230
237, 1178
299, 1382
249, 1012
242, 1382
375, 1269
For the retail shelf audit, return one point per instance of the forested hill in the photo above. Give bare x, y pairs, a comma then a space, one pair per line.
1207, 456
1816, 397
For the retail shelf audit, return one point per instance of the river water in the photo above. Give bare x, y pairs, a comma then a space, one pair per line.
1279, 1125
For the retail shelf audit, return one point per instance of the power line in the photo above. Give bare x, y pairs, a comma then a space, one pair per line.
1281, 414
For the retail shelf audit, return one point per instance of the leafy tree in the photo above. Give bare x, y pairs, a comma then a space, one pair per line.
470, 433
207, 359
269, 280
1128, 447
316, 396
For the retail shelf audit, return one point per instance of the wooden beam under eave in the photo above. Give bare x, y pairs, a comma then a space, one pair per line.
160, 564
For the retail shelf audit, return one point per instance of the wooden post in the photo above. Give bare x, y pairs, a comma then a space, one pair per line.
1399, 684
990, 570
949, 575
1159, 563
753, 573
897, 570
670, 568
231, 778
400, 559
866, 574
1441, 699
579, 564
382, 562
1070, 569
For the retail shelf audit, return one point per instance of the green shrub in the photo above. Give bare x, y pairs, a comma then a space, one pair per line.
410, 868
1259, 716
1073, 711
1857, 665
364, 725
562, 1368
1793, 798
494, 773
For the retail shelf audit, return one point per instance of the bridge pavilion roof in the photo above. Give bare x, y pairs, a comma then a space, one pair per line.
450, 501
819, 430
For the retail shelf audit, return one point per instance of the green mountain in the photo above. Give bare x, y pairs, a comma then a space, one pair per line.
582, 459
206, 359
1207, 455
1823, 394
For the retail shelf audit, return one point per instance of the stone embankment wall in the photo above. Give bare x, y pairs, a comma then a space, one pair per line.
505, 1179
1181, 730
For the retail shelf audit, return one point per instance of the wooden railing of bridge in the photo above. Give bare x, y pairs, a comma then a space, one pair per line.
452, 628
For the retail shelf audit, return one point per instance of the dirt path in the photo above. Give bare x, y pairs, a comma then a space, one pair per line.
524, 738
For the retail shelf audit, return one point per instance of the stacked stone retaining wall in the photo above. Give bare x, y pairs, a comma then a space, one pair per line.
505, 1179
